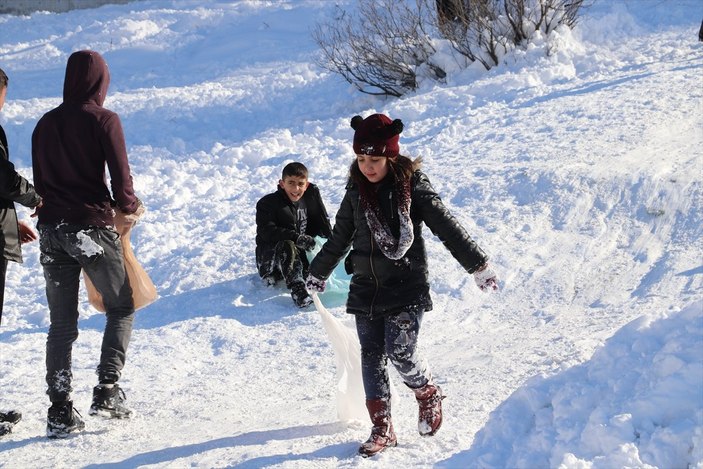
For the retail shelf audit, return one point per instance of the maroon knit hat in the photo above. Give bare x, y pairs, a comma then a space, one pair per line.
376, 135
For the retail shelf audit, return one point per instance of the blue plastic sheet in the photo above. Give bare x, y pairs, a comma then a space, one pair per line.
337, 285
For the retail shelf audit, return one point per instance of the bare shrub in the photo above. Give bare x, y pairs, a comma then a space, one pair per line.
483, 30
380, 50
385, 46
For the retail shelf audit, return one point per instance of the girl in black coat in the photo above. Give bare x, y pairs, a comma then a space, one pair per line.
380, 219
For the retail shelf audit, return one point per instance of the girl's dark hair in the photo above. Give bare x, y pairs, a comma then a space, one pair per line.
3, 79
401, 168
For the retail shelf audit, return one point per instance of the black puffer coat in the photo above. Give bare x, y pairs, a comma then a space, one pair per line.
380, 285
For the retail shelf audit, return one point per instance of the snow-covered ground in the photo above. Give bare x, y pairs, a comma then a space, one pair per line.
579, 170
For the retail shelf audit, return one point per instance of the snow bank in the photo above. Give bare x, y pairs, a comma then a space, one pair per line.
576, 164
637, 403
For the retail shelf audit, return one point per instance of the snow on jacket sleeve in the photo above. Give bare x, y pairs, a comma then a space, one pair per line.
338, 244
445, 226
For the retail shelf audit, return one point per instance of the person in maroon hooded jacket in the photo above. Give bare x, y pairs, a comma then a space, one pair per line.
71, 145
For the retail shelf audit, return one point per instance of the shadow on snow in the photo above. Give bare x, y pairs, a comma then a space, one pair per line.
245, 439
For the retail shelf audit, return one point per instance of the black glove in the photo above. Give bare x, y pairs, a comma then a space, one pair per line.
305, 242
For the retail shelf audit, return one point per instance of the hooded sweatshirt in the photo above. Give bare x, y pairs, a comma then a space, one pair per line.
71, 145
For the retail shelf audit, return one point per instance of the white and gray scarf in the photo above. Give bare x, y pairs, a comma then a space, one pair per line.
391, 247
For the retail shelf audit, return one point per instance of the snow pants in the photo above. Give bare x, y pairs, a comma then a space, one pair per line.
391, 337
285, 262
65, 251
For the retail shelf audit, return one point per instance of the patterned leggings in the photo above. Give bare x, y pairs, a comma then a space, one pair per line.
392, 336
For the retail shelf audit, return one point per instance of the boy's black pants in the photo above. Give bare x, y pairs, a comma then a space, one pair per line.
285, 261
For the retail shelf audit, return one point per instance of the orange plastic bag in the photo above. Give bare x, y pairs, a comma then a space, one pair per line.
143, 290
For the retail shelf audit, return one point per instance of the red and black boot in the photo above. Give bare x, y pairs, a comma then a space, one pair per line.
382, 434
429, 398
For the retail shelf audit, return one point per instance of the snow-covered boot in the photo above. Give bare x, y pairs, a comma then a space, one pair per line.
10, 416
382, 434
109, 401
8, 420
300, 295
429, 398
62, 420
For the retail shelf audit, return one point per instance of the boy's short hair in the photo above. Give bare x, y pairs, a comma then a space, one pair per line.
3, 79
295, 169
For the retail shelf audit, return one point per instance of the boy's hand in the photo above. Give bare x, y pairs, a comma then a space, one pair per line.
36, 209
305, 242
314, 284
27, 234
486, 278
125, 221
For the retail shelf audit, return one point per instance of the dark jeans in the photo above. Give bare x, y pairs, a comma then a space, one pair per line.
65, 250
285, 261
392, 336
3, 273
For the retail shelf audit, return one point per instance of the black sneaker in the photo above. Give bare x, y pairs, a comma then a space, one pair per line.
8, 420
62, 420
300, 296
11, 416
5, 428
109, 401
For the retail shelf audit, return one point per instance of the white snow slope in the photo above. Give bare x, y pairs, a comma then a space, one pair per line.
576, 165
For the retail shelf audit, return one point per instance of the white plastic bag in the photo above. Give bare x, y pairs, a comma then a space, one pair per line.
351, 401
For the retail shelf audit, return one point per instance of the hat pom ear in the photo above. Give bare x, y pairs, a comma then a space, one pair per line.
356, 122
391, 130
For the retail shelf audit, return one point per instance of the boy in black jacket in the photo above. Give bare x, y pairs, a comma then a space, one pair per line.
287, 222
13, 233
